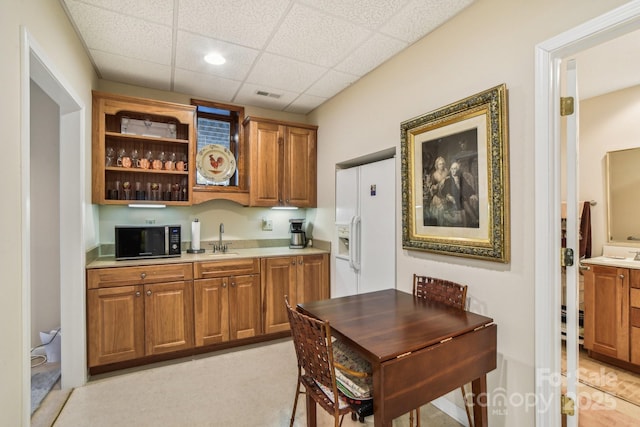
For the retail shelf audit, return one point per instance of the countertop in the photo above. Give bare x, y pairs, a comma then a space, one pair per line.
612, 261
110, 261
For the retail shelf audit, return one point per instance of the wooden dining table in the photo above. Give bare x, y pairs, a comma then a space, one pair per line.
419, 350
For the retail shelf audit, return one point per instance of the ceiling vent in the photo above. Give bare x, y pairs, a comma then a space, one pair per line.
268, 94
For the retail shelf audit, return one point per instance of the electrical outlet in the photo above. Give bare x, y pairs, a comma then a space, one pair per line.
267, 224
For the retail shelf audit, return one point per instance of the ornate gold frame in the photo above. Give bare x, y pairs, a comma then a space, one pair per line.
485, 115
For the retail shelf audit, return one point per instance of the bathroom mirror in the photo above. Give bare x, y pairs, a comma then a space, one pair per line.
623, 194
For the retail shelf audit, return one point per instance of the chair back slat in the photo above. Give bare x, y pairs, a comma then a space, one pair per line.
444, 291
312, 342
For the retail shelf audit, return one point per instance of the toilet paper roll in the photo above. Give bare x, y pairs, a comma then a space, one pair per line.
195, 235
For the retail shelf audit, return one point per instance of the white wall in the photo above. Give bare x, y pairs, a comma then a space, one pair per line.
489, 43
45, 214
49, 28
607, 123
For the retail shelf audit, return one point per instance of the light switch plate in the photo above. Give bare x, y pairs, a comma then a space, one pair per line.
267, 224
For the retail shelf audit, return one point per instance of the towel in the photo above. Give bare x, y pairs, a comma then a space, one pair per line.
585, 231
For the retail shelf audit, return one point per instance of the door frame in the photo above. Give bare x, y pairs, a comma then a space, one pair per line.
37, 66
548, 58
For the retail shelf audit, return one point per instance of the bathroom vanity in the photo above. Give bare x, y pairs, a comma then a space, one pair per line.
612, 307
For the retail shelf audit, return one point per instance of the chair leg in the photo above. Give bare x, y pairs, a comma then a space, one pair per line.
295, 403
466, 406
417, 410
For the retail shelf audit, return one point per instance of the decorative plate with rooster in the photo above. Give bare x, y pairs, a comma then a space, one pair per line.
216, 163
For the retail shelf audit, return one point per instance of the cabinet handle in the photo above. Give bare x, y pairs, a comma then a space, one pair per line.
300, 262
143, 275
293, 262
137, 293
621, 276
149, 293
224, 284
233, 284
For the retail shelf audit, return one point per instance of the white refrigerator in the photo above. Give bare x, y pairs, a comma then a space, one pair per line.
365, 258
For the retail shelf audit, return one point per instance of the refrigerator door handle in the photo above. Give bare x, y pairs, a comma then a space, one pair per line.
354, 243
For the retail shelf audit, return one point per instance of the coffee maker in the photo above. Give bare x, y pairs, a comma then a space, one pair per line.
298, 237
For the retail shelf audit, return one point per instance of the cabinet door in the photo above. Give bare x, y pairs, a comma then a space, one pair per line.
115, 324
312, 278
606, 305
168, 317
299, 188
244, 306
278, 279
266, 140
211, 303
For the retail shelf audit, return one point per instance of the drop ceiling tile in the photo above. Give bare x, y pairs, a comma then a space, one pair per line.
158, 11
420, 17
304, 104
315, 37
370, 14
247, 96
191, 49
284, 73
122, 35
331, 83
246, 22
132, 71
205, 85
372, 53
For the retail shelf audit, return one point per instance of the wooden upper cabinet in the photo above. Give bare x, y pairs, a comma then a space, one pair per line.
283, 157
219, 130
156, 140
300, 167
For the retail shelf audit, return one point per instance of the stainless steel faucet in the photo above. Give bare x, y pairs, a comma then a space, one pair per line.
220, 236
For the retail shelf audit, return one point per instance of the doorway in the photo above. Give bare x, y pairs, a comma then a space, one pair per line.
549, 56
39, 69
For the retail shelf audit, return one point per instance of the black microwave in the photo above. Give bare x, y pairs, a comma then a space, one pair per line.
137, 242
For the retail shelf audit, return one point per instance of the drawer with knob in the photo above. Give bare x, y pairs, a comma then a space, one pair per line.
120, 276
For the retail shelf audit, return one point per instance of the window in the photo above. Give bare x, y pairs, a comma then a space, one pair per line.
218, 125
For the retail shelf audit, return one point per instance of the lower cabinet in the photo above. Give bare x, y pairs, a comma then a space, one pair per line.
612, 312
126, 322
301, 278
227, 301
141, 311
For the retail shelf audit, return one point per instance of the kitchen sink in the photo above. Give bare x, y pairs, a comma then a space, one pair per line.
218, 254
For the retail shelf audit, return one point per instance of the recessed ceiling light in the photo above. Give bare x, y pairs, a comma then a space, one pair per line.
215, 58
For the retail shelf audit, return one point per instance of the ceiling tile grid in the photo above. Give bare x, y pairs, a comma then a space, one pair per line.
304, 51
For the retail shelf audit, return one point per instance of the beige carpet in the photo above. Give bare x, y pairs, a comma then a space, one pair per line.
253, 386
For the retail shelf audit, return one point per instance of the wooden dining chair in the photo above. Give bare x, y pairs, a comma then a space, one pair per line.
448, 293
316, 367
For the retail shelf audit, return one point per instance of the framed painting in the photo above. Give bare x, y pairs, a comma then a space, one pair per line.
455, 179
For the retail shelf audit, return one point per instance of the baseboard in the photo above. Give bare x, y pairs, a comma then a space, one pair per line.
449, 408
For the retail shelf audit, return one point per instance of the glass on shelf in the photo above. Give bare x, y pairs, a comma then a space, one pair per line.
134, 158
110, 157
